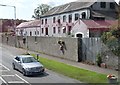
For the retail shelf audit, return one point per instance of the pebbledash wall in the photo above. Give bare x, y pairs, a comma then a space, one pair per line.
84, 49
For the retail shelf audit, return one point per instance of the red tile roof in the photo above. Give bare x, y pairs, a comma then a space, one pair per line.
99, 23
34, 23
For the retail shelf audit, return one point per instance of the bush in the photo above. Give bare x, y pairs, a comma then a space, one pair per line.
111, 40
99, 60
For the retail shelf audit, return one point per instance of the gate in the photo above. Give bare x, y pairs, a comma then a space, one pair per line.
80, 49
88, 48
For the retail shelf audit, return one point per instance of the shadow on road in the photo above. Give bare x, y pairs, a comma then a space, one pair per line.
36, 75
39, 75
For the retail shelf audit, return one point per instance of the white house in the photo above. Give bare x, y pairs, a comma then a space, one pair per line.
31, 28
70, 19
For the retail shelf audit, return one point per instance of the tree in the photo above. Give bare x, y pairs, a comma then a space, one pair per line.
41, 10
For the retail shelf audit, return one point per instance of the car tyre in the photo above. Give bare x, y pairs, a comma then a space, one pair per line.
24, 73
13, 65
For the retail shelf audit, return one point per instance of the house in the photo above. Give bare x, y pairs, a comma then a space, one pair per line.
7, 25
31, 28
74, 18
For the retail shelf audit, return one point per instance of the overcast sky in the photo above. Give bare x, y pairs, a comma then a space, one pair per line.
25, 8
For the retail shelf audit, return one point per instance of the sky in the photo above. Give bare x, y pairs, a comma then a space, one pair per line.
25, 8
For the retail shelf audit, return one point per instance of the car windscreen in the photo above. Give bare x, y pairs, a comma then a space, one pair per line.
28, 60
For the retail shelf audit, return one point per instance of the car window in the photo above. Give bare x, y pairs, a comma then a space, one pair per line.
29, 60
17, 58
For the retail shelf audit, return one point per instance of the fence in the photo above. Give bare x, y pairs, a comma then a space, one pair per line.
90, 48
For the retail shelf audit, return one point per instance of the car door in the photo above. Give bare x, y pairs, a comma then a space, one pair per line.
17, 63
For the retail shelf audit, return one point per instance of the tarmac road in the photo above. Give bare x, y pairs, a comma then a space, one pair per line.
13, 76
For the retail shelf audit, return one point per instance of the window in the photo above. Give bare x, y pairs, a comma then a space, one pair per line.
54, 30
46, 31
42, 30
45, 21
35, 32
42, 21
112, 5
30, 33
64, 18
38, 32
103, 4
76, 16
70, 18
17, 58
53, 19
64, 29
59, 30
21, 32
83, 15
59, 21
69, 30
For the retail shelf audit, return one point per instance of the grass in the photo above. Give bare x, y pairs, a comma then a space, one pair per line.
73, 72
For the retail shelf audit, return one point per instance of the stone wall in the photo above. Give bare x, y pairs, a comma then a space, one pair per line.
50, 46
47, 45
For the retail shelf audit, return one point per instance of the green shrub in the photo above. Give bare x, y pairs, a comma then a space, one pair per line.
99, 60
111, 40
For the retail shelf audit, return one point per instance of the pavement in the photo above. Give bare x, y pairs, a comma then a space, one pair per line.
93, 68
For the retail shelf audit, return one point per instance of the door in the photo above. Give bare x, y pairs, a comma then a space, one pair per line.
18, 64
79, 35
69, 30
46, 31
80, 58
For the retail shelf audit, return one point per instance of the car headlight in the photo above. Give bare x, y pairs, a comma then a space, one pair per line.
28, 69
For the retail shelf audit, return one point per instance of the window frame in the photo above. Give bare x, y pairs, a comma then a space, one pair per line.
77, 16
54, 30
112, 5
17, 58
30, 33
64, 30
103, 4
54, 19
42, 29
42, 21
46, 21
64, 18
70, 18
83, 15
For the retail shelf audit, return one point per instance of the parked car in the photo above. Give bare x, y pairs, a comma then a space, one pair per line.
28, 65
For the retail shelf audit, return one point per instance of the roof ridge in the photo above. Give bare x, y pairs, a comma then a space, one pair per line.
71, 6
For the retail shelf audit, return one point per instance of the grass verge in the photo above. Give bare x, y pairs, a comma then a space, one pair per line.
73, 72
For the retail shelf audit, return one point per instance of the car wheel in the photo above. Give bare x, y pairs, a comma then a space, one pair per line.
24, 73
13, 65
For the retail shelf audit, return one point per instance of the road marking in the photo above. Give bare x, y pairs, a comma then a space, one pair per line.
16, 82
5, 67
3, 80
8, 75
3, 70
22, 79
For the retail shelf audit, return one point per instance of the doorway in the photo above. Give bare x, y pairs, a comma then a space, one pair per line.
46, 31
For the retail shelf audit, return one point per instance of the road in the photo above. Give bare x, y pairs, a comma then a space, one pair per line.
13, 76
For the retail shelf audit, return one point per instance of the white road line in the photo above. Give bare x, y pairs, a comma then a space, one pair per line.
22, 79
3, 70
3, 80
8, 75
5, 67
16, 82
